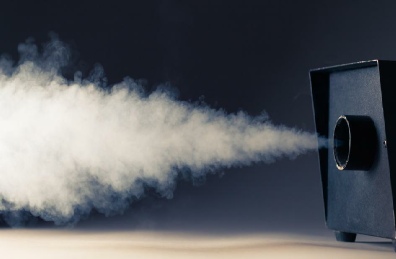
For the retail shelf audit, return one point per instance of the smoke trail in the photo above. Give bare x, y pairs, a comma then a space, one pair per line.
69, 146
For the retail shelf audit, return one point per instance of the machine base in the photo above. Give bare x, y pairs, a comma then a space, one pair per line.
351, 237
345, 236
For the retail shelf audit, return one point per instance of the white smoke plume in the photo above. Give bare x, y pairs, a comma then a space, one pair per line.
68, 146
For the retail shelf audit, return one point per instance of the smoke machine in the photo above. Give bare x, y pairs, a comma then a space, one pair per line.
355, 109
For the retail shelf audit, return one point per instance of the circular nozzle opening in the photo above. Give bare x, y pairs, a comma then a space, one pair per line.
342, 142
355, 142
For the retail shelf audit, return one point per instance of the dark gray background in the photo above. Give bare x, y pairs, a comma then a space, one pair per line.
239, 55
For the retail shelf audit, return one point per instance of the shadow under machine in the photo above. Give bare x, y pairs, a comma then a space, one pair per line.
355, 109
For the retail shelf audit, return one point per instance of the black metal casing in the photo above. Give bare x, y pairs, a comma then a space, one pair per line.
358, 201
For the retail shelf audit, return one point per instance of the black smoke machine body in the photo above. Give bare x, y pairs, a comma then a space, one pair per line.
355, 108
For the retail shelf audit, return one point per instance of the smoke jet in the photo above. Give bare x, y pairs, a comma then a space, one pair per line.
68, 146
